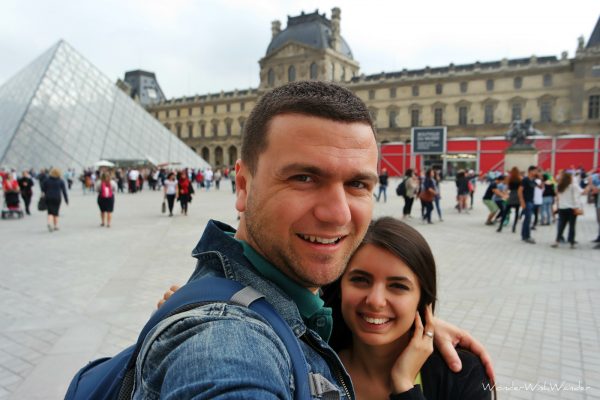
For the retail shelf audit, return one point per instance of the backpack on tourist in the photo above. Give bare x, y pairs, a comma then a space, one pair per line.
106, 190
113, 377
401, 189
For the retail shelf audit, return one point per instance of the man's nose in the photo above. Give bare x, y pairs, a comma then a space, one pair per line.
333, 207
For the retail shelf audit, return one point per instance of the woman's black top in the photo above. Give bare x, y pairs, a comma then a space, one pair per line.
53, 187
439, 383
549, 190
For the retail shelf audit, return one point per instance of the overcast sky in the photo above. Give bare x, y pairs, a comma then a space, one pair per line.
201, 46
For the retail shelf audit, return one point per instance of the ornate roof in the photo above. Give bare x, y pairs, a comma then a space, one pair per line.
312, 29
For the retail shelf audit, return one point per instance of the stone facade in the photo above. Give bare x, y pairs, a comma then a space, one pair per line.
560, 95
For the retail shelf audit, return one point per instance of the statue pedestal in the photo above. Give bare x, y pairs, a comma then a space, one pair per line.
520, 157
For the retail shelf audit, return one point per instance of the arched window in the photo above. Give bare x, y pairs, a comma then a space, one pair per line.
291, 73
271, 77
232, 155
206, 154
313, 71
218, 156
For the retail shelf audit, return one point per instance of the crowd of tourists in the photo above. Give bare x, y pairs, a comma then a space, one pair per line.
177, 185
532, 198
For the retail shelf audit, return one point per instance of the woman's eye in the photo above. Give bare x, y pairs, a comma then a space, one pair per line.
358, 279
399, 286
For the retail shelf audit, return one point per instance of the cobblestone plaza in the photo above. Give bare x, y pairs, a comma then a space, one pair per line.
85, 291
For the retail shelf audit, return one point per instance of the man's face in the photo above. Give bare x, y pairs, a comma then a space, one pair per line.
310, 201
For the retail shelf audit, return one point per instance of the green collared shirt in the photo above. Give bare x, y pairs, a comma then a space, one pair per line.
310, 305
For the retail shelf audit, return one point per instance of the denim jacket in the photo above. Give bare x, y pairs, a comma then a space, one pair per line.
226, 351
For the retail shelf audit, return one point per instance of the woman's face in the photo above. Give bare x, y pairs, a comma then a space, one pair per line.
380, 296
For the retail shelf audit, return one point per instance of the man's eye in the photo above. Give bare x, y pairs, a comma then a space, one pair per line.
358, 185
302, 178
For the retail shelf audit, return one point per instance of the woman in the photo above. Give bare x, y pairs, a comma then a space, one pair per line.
383, 330
437, 177
462, 189
52, 187
106, 189
499, 196
568, 200
427, 195
383, 310
411, 186
514, 181
548, 195
185, 190
170, 190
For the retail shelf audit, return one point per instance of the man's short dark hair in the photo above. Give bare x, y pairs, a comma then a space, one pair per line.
531, 168
312, 98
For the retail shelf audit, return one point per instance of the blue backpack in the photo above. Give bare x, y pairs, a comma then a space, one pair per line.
113, 377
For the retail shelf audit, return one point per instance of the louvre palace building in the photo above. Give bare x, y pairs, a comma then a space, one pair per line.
561, 95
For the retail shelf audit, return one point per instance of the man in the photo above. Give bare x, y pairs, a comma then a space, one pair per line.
489, 203
304, 189
26, 188
383, 184
594, 188
526, 194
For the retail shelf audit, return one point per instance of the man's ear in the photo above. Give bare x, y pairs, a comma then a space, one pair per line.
243, 180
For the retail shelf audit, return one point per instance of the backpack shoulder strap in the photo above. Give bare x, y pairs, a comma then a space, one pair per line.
213, 289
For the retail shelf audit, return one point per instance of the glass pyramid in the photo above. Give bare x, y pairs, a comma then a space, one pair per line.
61, 111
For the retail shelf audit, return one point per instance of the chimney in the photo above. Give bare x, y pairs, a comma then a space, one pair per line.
336, 37
275, 28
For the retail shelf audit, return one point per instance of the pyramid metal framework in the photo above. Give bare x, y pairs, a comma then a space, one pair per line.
61, 111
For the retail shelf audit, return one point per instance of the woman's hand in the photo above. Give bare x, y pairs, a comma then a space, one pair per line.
413, 357
167, 294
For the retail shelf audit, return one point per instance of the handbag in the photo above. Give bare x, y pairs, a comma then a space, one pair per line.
578, 211
42, 205
163, 209
426, 195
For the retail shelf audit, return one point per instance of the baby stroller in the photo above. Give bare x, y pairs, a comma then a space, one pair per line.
12, 206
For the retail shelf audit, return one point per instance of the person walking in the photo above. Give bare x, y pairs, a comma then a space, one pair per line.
26, 188
106, 189
427, 195
500, 196
437, 177
218, 175
513, 202
411, 188
462, 188
208, 177
569, 206
526, 193
232, 179
52, 188
548, 195
170, 189
184, 191
594, 190
538, 199
383, 184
